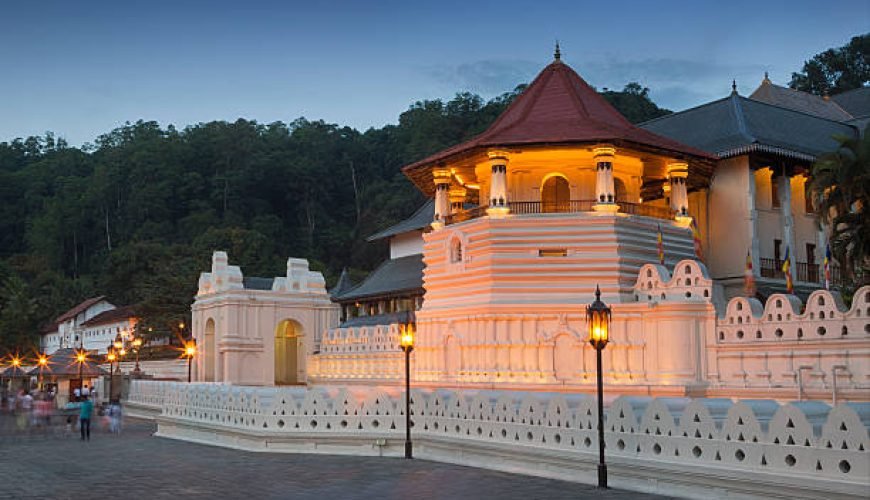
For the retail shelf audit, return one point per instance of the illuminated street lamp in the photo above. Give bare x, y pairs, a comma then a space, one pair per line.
81, 357
42, 362
190, 352
111, 357
598, 320
137, 344
407, 343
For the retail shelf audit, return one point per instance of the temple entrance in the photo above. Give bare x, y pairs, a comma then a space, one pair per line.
208, 352
555, 195
288, 337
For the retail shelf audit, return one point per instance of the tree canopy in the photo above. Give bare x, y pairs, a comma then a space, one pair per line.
836, 70
136, 215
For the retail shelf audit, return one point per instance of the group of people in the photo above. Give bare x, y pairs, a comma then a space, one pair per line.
29, 409
34, 410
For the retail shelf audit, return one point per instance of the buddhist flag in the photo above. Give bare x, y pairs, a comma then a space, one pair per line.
661, 246
786, 268
749, 277
696, 237
828, 266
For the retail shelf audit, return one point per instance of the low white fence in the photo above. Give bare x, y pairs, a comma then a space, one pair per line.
677, 446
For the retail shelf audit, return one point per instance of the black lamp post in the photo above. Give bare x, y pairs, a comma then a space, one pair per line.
111, 357
81, 357
42, 361
598, 320
137, 344
190, 352
407, 343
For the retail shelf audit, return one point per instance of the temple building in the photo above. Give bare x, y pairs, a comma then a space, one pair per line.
560, 195
91, 325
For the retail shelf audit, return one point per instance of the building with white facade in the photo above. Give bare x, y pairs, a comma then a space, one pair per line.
91, 325
561, 195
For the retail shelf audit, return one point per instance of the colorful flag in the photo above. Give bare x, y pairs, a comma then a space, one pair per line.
828, 266
749, 277
786, 268
696, 237
661, 246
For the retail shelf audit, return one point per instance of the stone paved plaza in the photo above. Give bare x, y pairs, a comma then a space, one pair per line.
137, 465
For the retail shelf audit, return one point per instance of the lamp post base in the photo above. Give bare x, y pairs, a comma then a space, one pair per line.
409, 450
602, 476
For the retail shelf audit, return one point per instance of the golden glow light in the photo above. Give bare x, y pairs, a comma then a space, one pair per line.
407, 332
118, 344
80, 357
43, 360
122, 352
110, 357
16, 361
181, 325
190, 351
137, 342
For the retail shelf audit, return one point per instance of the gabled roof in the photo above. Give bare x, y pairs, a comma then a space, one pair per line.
115, 315
393, 277
799, 101
419, 220
343, 284
856, 101
736, 125
559, 107
82, 307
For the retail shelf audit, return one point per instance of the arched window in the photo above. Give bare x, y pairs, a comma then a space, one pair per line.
456, 250
555, 195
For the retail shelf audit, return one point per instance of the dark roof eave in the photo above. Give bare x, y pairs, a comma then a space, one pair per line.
381, 295
763, 148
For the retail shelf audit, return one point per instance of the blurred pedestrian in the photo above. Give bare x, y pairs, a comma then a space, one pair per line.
86, 410
115, 417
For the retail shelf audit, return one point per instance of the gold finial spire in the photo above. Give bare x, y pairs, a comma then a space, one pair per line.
766, 77
734, 87
557, 55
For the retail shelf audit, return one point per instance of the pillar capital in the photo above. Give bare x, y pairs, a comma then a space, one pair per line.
604, 151
497, 155
441, 175
678, 169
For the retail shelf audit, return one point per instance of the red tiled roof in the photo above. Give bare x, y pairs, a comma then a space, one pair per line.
559, 107
111, 316
75, 311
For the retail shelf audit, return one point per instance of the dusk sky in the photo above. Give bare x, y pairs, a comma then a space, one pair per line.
80, 69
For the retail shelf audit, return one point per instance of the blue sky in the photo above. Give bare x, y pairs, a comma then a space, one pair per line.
80, 69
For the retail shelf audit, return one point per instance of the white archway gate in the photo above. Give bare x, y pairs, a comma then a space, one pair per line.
259, 331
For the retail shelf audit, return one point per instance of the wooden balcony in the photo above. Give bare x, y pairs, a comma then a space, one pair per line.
805, 272
573, 206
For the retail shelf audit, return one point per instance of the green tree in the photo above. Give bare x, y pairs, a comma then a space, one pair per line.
634, 103
841, 193
836, 70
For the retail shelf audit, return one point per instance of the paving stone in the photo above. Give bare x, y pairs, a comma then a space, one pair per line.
138, 465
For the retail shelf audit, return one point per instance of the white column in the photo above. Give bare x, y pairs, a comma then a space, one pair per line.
787, 220
605, 192
753, 224
442, 201
498, 192
677, 174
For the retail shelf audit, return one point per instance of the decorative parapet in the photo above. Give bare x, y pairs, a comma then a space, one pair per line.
689, 282
363, 352
821, 348
300, 279
223, 277
784, 318
751, 447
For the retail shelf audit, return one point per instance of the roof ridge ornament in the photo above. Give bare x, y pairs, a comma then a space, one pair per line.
766, 78
557, 55
734, 87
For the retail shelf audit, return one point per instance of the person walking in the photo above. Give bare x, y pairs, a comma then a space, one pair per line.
85, 412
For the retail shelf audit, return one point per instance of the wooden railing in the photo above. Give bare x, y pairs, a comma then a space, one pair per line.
771, 268
572, 206
808, 272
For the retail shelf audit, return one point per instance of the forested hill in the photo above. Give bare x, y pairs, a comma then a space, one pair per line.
136, 215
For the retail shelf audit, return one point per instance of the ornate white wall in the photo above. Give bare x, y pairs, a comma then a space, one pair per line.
236, 327
677, 446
